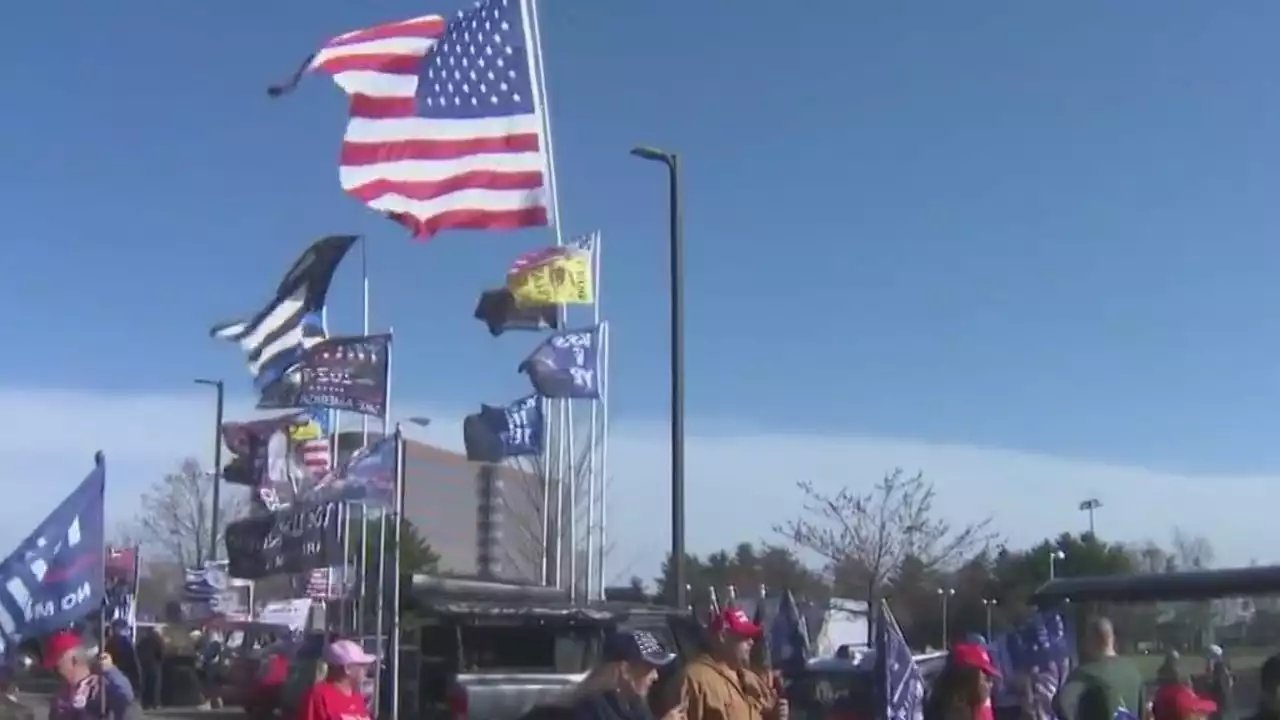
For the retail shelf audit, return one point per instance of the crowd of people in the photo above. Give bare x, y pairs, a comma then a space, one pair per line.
722, 683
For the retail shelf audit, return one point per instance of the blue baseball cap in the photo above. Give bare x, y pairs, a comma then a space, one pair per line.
637, 646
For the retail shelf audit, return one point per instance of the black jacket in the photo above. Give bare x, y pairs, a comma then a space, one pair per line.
612, 705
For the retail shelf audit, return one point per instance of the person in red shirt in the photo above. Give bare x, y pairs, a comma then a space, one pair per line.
1175, 701
338, 697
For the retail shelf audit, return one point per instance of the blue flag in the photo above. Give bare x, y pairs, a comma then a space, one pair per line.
1039, 651
788, 635
496, 433
566, 365
897, 676
55, 577
369, 477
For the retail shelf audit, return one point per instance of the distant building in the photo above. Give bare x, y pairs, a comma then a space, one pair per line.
481, 519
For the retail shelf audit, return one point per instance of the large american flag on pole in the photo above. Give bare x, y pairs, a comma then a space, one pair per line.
446, 127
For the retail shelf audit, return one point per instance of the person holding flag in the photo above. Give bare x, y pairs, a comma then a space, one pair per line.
83, 693
962, 691
720, 685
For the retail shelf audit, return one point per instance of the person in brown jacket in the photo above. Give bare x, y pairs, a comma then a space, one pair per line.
721, 685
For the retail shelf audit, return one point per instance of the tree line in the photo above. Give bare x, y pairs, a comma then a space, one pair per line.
888, 542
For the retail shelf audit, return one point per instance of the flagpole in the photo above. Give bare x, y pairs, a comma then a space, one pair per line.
592, 446
137, 590
604, 448
100, 463
364, 444
379, 617
546, 492
555, 424
394, 661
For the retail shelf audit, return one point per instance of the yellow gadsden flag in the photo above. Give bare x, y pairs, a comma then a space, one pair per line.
554, 276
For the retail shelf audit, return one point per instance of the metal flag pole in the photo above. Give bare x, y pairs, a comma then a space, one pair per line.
137, 590
395, 593
100, 463
363, 573
555, 423
592, 444
605, 379
380, 619
544, 572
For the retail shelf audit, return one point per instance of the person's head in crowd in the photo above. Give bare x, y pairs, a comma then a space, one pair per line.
1269, 683
731, 635
347, 663
965, 681
1099, 639
67, 656
632, 659
1170, 671
1214, 656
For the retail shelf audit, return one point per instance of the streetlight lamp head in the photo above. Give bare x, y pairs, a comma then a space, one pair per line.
206, 381
651, 153
1058, 555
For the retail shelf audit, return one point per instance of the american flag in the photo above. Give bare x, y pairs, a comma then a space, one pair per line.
315, 457
446, 127
897, 676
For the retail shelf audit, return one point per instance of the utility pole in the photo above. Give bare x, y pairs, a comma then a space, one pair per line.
1089, 506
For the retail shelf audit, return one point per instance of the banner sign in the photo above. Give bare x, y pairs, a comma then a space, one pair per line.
293, 540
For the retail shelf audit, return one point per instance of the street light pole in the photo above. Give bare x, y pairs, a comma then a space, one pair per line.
1090, 506
989, 603
1054, 557
946, 594
676, 281
218, 386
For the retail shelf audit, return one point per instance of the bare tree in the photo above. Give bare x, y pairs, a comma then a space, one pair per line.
578, 474
1191, 551
177, 512
867, 535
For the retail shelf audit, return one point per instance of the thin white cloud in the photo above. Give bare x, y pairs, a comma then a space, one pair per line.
739, 481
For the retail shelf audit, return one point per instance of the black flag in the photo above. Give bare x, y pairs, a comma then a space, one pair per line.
344, 373
498, 310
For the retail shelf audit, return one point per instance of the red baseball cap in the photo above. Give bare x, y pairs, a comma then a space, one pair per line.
1185, 702
974, 656
733, 620
59, 644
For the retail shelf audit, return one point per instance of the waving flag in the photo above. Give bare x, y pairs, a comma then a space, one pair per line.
788, 635
897, 676
275, 339
369, 477
495, 433
558, 275
566, 365
1039, 650
498, 310
55, 576
446, 127
347, 373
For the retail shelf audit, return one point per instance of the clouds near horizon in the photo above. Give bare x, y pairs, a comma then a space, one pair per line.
740, 479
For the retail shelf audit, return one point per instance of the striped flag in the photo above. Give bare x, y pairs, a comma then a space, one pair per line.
277, 336
446, 127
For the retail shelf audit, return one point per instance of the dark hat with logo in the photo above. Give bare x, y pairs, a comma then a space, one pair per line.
637, 646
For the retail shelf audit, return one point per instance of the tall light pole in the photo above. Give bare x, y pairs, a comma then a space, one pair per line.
676, 282
989, 604
217, 465
945, 594
1089, 506
1054, 557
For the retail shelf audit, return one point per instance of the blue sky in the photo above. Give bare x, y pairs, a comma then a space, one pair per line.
1019, 227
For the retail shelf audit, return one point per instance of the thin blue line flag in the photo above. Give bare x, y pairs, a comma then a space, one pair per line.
55, 576
566, 365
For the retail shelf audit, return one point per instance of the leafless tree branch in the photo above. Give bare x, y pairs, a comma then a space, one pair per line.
175, 516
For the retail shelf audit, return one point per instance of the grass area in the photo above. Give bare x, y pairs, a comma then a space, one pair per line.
1242, 659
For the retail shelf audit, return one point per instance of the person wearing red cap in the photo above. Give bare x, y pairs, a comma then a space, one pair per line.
338, 697
1176, 701
962, 691
84, 694
720, 684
